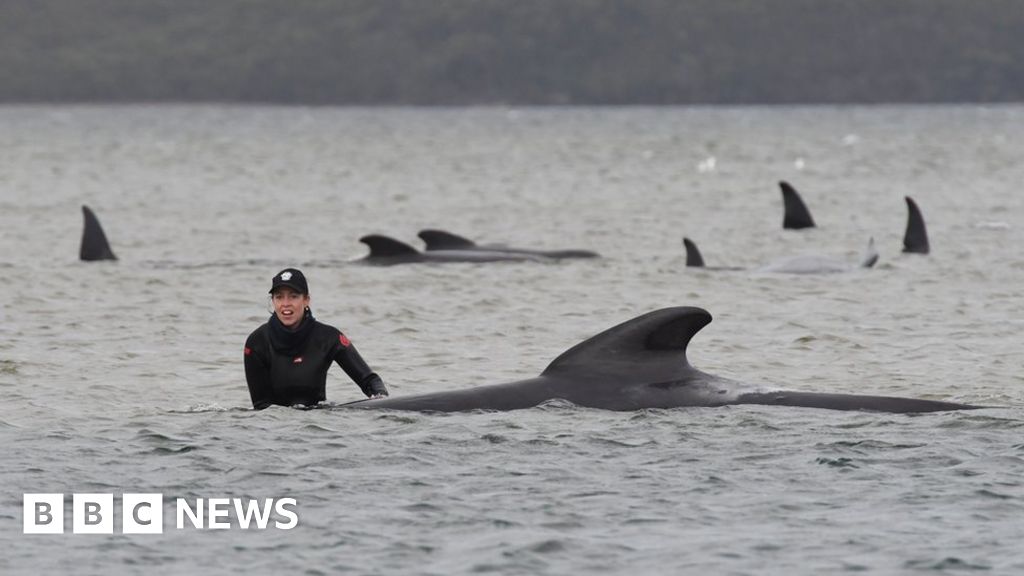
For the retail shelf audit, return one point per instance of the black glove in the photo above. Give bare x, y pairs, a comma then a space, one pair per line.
374, 387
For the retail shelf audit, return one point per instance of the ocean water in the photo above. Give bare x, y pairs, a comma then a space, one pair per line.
126, 377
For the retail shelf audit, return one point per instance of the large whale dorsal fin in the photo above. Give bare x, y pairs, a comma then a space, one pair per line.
386, 247
655, 342
693, 257
94, 241
444, 240
915, 240
797, 215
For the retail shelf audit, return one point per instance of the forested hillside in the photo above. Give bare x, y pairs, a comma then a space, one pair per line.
436, 52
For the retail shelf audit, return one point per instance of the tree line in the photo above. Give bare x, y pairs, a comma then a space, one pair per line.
524, 52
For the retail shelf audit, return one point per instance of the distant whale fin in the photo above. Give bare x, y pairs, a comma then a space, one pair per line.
870, 255
915, 240
797, 215
94, 241
693, 257
651, 346
384, 247
443, 240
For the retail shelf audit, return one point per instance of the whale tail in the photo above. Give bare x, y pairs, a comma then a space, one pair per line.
870, 257
693, 257
94, 241
386, 247
650, 346
797, 215
892, 404
444, 240
915, 240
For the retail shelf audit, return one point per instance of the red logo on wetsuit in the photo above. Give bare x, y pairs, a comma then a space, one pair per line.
344, 340
297, 360
248, 350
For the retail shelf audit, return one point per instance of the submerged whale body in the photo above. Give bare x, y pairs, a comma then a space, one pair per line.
796, 215
94, 242
818, 264
801, 264
640, 364
386, 251
443, 240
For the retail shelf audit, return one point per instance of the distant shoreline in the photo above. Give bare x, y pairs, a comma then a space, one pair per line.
509, 107
522, 53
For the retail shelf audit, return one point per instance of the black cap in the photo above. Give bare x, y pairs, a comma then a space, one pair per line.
291, 278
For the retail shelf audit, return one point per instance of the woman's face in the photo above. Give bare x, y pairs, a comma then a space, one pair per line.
289, 306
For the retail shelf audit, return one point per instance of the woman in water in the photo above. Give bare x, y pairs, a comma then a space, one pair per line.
286, 359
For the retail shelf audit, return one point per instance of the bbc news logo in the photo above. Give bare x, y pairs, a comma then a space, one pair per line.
144, 513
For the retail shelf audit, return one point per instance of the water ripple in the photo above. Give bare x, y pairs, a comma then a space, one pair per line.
126, 377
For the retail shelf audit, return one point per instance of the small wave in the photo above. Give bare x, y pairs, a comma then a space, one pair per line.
556, 404
5, 424
542, 442
398, 418
164, 444
208, 408
422, 507
837, 462
645, 521
948, 563
318, 429
986, 493
876, 444
562, 525
617, 443
547, 547
218, 264
593, 494
994, 225
167, 450
977, 421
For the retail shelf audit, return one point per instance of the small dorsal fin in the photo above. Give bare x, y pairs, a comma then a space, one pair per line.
797, 215
870, 255
444, 240
653, 345
693, 257
94, 241
386, 247
915, 240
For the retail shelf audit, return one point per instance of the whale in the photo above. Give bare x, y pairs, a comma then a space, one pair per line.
694, 258
437, 240
799, 264
641, 364
796, 216
94, 245
387, 251
915, 238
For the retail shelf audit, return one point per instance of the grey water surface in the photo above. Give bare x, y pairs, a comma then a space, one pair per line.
126, 377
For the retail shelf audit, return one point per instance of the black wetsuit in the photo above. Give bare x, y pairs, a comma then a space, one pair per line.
288, 367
